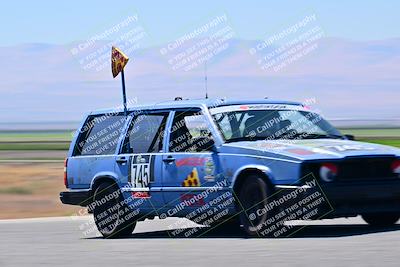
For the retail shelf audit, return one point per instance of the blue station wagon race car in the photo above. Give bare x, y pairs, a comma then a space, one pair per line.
257, 165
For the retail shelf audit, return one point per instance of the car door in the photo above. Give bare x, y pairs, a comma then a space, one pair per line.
140, 158
189, 164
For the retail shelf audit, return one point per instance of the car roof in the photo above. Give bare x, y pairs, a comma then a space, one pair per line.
192, 103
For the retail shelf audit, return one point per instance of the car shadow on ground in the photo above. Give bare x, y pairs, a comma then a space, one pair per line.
299, 231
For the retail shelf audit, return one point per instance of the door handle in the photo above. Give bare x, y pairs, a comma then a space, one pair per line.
121, 160
169, 159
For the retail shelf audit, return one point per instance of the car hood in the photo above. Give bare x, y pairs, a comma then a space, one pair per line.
309, 149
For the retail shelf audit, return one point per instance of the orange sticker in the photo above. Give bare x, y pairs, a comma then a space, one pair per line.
192, 180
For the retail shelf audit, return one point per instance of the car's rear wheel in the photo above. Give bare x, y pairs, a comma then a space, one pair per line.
381, 219
110, 213
252, 197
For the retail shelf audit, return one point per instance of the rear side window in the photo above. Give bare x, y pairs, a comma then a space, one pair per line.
145, 134
100, 135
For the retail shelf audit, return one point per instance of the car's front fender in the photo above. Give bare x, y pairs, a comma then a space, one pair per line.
252, 167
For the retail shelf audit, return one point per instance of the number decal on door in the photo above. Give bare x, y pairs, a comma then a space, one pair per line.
142, 171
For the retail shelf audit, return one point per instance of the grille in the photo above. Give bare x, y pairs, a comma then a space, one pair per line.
357, 169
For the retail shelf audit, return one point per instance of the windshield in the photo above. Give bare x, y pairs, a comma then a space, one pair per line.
271, 122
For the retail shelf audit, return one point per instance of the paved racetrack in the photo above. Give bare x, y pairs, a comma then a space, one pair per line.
61, 242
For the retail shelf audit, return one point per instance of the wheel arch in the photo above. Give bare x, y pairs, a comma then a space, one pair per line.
96, 181
102, 178
241, 174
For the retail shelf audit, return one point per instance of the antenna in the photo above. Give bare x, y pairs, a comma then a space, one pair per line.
205, 78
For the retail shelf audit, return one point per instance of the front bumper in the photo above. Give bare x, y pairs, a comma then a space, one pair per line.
80, 198
361, 198
348, 199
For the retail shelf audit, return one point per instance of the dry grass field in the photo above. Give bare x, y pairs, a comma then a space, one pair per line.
32, 190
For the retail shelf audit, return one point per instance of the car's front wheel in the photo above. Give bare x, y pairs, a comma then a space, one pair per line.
381, 219
110, 213
252, 198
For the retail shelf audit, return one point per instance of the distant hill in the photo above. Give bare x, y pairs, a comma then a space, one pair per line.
358, 80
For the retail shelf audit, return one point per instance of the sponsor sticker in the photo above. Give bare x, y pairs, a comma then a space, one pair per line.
348, 147
209, 169
299, 151
233, 108
192, 180
194, 161
140, 195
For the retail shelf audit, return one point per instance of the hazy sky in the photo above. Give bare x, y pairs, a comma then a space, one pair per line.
44, 77
62, 22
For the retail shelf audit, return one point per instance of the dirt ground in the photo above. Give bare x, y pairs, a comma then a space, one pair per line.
32, 155
32, 190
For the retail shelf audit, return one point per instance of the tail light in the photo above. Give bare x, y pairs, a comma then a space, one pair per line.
396, 167
328, 172
65, 172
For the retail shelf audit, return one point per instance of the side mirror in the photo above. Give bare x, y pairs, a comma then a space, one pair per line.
349, 137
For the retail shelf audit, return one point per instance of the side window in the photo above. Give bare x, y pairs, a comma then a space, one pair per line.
99, 135
145, 134
190, 133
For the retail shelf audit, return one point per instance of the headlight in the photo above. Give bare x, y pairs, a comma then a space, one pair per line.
396, 167
328, 172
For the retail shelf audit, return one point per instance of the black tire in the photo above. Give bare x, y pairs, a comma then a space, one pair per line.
231, 226
109, 212
253, 196
381, 219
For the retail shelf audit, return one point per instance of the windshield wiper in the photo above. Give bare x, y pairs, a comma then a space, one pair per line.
314, 136
245, 138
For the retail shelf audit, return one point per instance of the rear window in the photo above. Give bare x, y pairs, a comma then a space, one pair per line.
99, 135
